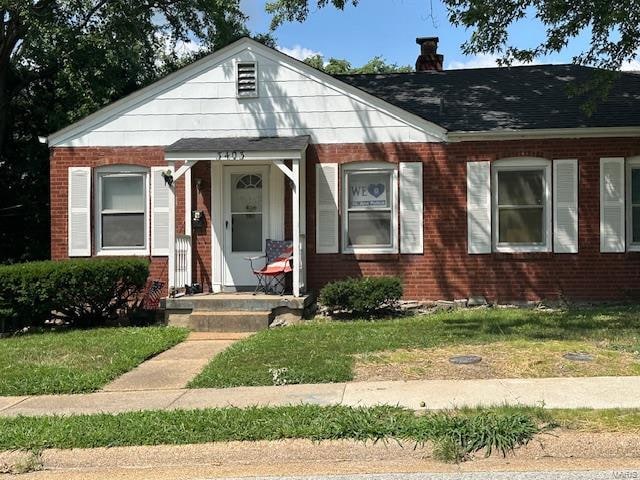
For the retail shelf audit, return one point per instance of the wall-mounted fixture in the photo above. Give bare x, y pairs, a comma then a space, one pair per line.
198, 184
197, 219
168, 177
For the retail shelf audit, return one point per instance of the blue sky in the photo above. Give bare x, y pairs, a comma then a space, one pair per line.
389, 28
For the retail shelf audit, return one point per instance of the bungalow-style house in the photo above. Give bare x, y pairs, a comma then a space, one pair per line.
490, 181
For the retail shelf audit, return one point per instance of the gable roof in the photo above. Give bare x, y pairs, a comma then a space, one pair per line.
202, 65
515, 98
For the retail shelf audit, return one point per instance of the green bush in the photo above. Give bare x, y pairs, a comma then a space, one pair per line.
362, 296
83, 292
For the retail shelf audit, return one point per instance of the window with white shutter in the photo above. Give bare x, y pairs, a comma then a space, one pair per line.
565, 206
612, 211
247, 79
411, 207
327, 208
478, 207
79, 212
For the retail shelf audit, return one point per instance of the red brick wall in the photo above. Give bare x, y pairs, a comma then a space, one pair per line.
445, 270
63, 158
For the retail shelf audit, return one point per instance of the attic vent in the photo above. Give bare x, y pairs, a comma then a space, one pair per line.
247, 80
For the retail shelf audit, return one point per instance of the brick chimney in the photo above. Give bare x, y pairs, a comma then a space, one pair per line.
429, 58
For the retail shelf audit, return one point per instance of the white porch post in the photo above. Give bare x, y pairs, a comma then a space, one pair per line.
172, 235
187, 223
295, 164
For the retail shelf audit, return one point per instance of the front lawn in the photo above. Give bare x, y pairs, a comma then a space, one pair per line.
77, 361
323, 351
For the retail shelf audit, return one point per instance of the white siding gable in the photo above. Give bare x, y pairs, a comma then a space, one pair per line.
293, 99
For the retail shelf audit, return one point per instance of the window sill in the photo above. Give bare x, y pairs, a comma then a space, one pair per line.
522, 249
370, 251
122, 253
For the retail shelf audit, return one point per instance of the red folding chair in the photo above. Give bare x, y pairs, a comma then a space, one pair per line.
272, 277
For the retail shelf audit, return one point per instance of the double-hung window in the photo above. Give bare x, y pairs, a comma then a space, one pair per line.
633, 204
521, 205
122, 198
370, 199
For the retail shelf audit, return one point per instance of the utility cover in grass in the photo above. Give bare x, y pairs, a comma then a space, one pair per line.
465, 359
578, 357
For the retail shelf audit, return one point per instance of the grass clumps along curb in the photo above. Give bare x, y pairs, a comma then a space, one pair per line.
457, 435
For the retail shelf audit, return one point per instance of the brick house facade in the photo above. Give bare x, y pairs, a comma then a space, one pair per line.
446, 268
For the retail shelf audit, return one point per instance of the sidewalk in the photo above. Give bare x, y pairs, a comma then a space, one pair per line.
593, 392
176, 367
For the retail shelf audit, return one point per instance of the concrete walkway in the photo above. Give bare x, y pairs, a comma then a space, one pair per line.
593, 392
174, 368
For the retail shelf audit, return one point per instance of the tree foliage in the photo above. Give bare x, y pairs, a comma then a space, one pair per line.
614, 26
335, 66
63, 59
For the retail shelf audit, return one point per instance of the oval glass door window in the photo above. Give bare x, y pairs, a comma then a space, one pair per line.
246, 212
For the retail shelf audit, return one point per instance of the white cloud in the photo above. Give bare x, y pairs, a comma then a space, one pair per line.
482, 60
631, 66
298, 51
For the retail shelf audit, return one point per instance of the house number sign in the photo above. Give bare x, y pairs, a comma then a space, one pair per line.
231, 155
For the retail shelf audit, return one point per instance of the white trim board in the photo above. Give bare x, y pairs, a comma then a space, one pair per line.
578, 132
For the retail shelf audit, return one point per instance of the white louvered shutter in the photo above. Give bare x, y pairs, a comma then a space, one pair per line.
612, 224
411, 207
160, 211
479, 207
79, 200
565, 206
327, 208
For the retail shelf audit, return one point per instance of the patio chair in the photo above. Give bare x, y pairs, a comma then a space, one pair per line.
273, 276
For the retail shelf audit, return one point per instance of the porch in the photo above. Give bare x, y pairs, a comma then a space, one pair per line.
246, 190
235, 312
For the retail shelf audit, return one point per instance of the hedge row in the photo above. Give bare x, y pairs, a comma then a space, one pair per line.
83, 292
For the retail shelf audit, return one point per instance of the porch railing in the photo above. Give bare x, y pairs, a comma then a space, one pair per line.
183, 261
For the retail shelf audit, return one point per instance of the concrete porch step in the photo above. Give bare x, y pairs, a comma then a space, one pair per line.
228, 321
236, 302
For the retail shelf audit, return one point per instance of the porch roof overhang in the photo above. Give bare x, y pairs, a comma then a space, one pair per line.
237, 148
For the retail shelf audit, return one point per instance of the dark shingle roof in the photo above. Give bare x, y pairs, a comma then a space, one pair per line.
527, 97
247, 144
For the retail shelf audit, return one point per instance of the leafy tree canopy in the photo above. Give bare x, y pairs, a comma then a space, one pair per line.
63, 59
614, 26
336, 66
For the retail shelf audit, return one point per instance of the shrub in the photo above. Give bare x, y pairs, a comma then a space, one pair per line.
362, 296
83, 292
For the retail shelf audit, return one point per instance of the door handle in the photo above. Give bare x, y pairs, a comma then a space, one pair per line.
226, 224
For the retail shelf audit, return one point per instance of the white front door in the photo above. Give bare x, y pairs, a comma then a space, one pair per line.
246, 222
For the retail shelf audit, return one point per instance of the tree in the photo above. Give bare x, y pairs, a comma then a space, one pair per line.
63, 59
340, 66
614, 26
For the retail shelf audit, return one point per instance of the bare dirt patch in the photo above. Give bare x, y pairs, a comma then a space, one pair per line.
515, 359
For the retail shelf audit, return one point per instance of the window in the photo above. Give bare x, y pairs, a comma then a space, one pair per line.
247, 79
121, 223
633, 203
370, 218
521, 205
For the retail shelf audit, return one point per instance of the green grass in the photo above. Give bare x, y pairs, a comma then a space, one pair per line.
473, 430
321, 351
77, 361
